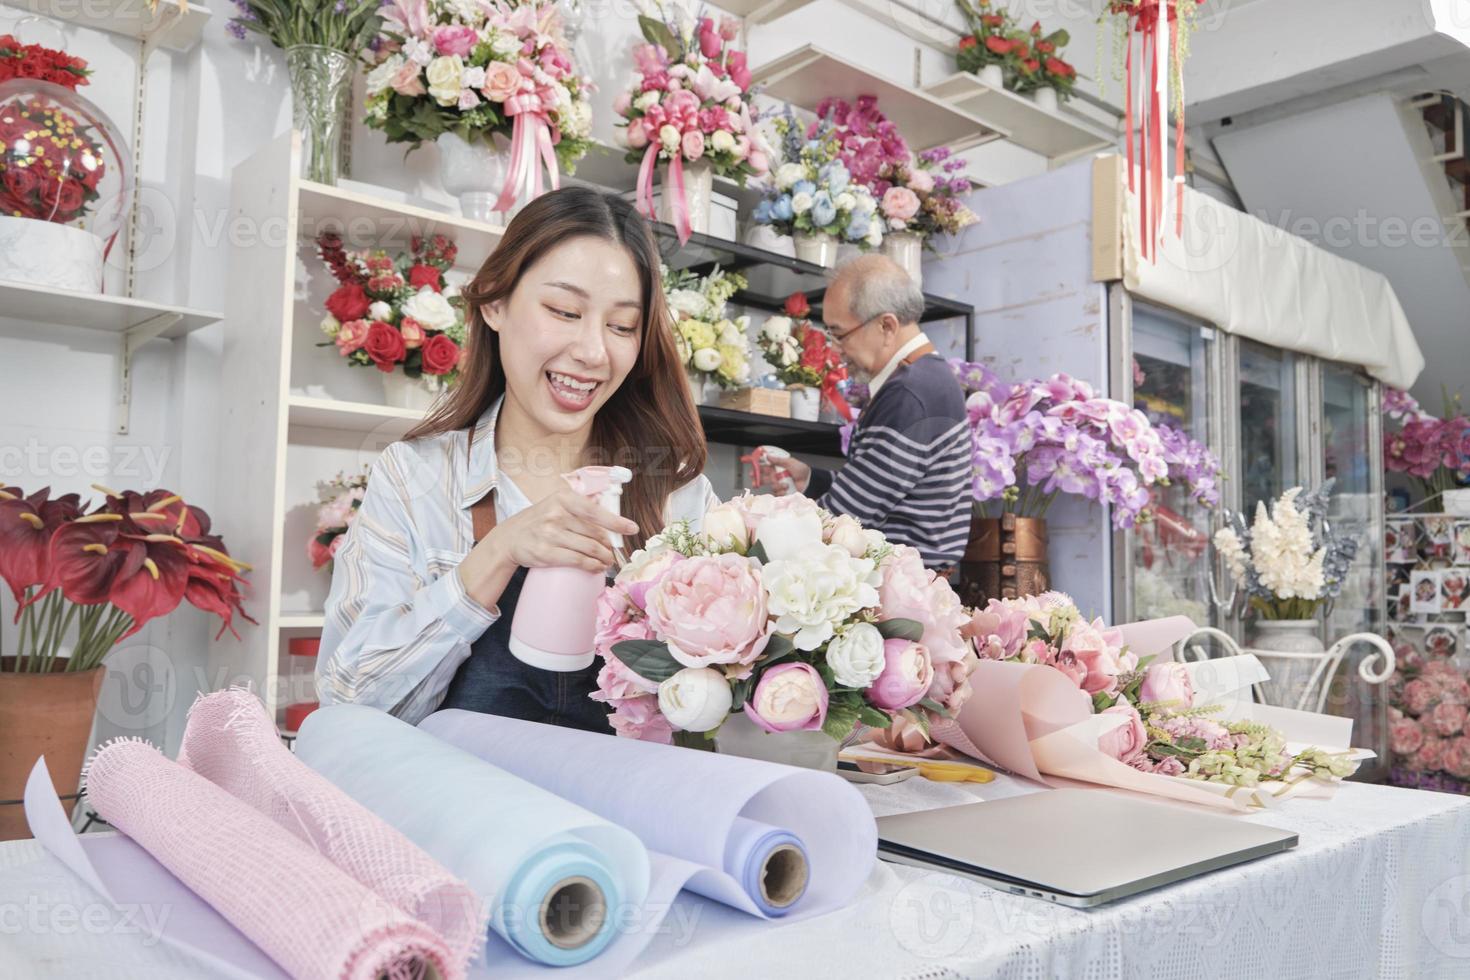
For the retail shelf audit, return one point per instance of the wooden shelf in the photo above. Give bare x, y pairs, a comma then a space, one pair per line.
367, 221
329, 413
113, 314
1052, 134
736, 428
808, 75
170, 26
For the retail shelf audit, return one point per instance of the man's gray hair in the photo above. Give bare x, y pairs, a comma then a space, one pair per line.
878, 285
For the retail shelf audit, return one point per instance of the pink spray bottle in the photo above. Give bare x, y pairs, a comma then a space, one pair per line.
556, 615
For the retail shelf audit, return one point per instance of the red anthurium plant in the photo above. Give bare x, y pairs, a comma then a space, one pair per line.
87, 578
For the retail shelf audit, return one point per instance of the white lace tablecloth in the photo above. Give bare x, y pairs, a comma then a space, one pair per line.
1378, 887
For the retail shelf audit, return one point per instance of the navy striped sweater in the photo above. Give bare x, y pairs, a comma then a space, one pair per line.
908, 465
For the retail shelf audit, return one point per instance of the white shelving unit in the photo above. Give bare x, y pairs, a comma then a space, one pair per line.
761, 11
1057, 135
808, 75
294, 411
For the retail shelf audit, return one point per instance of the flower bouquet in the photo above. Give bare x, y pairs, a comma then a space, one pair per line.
987, 50
65, 185
814, 199
1036, 439
1289, 560
1057, 695
338, 500
465, 74
392, 311
690, 106
711, 346
1428, 734
803, 358
1434, 452
922, 200
780, 611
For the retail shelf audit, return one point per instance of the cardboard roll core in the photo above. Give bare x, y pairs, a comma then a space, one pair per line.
573, 913
784, 876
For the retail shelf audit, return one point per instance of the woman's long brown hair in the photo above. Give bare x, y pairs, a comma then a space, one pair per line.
649, 424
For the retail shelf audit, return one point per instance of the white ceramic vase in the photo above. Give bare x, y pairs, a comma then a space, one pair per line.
1289, 678
907, 249
475, 174
818, 248
740, 736
699, 189
806, 403
992, 76
415, 394
51, 255
768, 238
1045, 98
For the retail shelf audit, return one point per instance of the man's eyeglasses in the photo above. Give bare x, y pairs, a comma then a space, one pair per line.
842, 337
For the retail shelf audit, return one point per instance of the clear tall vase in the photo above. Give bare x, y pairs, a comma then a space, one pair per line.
321, 83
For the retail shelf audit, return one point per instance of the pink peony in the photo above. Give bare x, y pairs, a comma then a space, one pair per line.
408, 80
637, 137
789, 697
1167, 683
623, 102
643, 570
1126, 742
1169, 765
1457, 757
907, 674
1419, 695
998, 630
502, 80
693, 144
756, 507
921, 181
616, 683
1430, 757
351, 336
1087, 644
759, 162
1447, 719
455, 39
908, 590
1405, 737
900, 203
951, 686
640, 718
615, 622
710, 610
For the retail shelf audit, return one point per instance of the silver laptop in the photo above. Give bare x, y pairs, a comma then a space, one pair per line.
1075, 847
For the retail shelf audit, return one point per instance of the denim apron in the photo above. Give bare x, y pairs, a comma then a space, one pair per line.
493, 681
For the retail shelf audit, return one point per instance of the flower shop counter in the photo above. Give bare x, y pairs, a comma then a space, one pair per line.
1377, 888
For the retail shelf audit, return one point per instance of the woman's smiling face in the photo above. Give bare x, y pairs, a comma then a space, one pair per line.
570, 332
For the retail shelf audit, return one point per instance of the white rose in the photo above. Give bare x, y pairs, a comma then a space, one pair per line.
725, 527
431, 309
647, 100
846, 533
811, 595
382, 76
723, 141
380, 311
845, 201
707, 359
788, 174
330, 325
856, 656
669, 137
443, 74
505, 44
790, 533
777, 328
695, 699
689, 302
473, 77
801, 203
730, 333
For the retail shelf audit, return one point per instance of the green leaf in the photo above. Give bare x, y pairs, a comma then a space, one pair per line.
1060, 38
920, 719
901, 629
649, 659
657, 32
778, 647
758, 552
740, 692
874, 718
841, 717
935, 707
1101, 701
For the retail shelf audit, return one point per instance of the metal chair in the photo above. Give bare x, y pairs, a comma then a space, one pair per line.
1376, 668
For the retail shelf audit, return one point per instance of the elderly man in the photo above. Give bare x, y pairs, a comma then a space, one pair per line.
908, 463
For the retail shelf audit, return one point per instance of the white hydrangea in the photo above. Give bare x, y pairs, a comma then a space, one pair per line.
812, 595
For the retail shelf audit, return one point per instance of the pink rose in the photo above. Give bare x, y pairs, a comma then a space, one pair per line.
710, 42
789, 697
351, 336
1447, 719
616, 683
920, 181
637, 137
623, 102
1457, 757
1418, 694
455, 39
710, 610
951, 686
693, 144
1167, 683
1087, 644
900, 203
756, 507
1126, 742
759, 162
907, 674
1405, 737
502, 80
640, 718
413, 332
408, 80
1430, 757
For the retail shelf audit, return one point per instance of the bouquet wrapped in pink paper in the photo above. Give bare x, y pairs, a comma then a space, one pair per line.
802, 620
1057, 695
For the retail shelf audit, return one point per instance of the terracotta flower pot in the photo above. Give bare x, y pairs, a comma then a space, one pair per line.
43, 714
1006, 558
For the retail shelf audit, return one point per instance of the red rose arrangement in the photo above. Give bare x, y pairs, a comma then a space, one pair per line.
801, 353
133, 558
392, 311
19, 60
1029, 58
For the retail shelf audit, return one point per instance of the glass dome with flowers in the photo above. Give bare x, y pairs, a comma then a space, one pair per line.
65, 172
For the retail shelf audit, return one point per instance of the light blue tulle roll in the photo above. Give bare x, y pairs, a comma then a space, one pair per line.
553, 873
759, 857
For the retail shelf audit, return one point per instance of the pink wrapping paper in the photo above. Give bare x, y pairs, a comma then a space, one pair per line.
231, 741
305, 913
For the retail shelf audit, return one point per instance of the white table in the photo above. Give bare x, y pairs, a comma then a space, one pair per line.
1379, 887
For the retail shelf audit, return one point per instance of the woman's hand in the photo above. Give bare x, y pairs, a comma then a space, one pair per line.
565, 529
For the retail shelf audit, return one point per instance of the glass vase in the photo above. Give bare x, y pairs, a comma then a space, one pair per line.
321, 82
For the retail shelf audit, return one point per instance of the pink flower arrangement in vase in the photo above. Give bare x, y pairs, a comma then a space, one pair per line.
690, 106
1434, 452
1428, 734
785, 615
339, 500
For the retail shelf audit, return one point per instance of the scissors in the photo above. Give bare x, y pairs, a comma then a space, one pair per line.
936, 770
